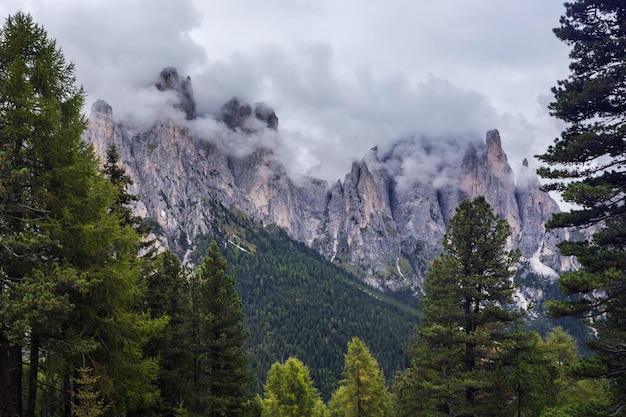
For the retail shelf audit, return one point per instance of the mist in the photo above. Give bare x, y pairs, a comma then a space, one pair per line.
342, 77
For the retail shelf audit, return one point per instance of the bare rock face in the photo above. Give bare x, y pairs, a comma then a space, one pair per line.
169, 80
535, 208
178, 176
359, 221
486, 171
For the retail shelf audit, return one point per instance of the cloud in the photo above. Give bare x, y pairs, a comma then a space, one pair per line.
341, 76
119, 47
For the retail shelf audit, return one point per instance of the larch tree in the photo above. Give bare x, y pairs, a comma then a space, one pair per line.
456, 359
289, 392
587, 165
40, 127
363, 391
571, 396
69, 267
222, 382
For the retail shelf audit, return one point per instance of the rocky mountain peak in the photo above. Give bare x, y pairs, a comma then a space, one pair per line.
266, 114
100, 109
169, 80
237, 115
385, 220
104, 127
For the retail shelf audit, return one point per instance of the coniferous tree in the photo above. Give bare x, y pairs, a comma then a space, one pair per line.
587, 164
456, 360
121, 180
69, 267
531, 373
86, 399
363, 391
221, 384
289, 392
168, 295
40, 126
569, 395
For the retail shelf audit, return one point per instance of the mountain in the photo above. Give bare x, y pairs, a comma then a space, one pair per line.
384, 222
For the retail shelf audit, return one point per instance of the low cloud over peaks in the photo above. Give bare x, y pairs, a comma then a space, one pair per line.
338, 86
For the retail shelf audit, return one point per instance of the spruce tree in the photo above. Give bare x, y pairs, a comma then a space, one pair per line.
221, 383
587, 165
168, 295
121, 180
456, 360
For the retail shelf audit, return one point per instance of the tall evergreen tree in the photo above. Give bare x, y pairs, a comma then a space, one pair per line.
169, 296
40, 126
455, 367
531, 373
69, 267
587, 164
363, 391
222, 382
121, 180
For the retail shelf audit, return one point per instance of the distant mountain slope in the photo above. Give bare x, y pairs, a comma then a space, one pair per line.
298, 304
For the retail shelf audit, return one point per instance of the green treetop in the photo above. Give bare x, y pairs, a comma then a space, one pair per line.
363, 391
289, 392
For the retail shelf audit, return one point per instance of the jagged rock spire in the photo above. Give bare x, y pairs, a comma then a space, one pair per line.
170, 80
237, 115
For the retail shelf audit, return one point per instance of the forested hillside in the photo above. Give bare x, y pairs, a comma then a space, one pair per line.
298, 304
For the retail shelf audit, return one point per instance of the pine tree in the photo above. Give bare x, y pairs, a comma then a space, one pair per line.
221, 384
587, 164
363, 391
289, 392
456, 359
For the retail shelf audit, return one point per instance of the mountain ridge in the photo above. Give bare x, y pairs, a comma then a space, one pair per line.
384, 221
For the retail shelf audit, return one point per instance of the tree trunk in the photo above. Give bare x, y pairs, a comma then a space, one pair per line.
32, 377
67, 396
10, 378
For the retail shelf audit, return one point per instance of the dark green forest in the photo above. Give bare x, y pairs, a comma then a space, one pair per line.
94, 322
298, 304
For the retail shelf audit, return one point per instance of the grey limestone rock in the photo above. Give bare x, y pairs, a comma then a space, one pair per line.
237, 115
384, 218
170, 80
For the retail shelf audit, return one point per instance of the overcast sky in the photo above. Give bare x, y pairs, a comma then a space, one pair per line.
342, 75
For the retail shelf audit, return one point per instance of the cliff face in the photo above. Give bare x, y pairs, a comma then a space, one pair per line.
385, 220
